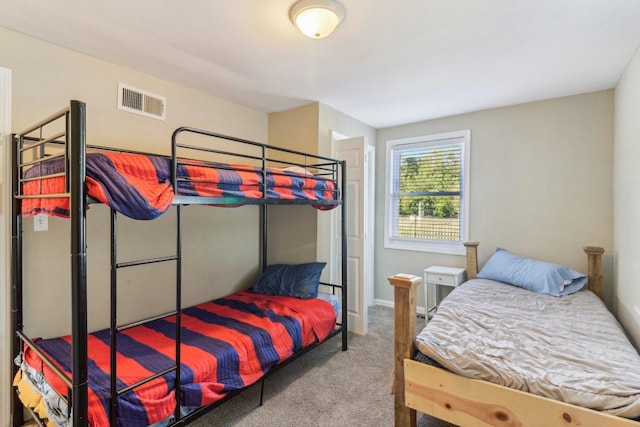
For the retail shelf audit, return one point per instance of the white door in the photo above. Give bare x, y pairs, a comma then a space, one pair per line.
359, 207
5, 213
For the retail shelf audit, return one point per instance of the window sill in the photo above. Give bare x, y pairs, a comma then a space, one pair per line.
449, 248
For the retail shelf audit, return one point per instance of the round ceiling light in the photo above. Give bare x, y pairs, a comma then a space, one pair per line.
316, 18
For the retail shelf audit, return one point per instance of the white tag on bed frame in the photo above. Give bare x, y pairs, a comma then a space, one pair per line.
40, 222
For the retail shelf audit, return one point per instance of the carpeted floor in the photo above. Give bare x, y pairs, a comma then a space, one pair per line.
325, 387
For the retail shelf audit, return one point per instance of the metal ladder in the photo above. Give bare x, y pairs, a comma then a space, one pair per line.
114, 329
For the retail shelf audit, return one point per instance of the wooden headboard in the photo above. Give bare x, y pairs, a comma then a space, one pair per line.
594, 265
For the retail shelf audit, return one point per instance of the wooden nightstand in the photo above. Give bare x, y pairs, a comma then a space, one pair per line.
437, 276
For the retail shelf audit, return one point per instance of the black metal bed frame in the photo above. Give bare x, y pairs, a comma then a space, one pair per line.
71, 144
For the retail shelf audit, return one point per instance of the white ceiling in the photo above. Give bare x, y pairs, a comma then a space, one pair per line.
390, 62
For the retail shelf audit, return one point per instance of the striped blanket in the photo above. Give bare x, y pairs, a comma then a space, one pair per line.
139, 185
227, 344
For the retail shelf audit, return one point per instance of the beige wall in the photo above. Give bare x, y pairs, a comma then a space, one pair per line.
295, 129
541, 184
626, 205
45, 77
299, 234
292, 229
333, 120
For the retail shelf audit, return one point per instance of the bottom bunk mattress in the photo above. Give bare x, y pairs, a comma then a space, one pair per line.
226, 344
568, 348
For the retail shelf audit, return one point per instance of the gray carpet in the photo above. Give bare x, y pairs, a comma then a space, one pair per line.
325, 387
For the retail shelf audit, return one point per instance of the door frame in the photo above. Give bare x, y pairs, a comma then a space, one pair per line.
367, 220
5, 243
369, 225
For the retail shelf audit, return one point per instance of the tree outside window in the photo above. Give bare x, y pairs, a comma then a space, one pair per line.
427, 190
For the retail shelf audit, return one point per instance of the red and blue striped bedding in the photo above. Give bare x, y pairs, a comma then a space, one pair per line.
227, 344
138, 185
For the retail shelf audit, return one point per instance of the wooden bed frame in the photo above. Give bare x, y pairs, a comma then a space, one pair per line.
470, 402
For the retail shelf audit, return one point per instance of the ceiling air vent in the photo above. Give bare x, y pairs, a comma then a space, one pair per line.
141, 102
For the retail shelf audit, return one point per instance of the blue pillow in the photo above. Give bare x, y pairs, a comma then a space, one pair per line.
294, 280
537, 276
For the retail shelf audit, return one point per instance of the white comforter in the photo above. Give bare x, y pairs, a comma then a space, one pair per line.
569, 348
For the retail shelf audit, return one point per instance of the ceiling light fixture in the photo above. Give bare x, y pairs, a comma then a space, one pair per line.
316, 18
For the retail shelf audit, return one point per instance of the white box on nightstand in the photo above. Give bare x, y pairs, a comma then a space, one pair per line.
436, 276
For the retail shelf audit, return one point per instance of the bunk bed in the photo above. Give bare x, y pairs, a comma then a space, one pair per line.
216, 349
495, 354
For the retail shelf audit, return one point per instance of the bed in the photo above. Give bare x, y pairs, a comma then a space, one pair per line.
217, 348
227, 344
500, 355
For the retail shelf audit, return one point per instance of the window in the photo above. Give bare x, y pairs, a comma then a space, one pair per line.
427, 193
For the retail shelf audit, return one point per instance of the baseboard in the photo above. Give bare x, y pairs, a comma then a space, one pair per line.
387, 303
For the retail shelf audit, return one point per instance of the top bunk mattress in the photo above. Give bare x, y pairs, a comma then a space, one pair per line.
570, 348
139, 186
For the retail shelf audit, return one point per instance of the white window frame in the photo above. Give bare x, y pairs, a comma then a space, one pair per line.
428, 245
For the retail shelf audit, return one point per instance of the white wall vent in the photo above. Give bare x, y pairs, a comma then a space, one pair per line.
141, 102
